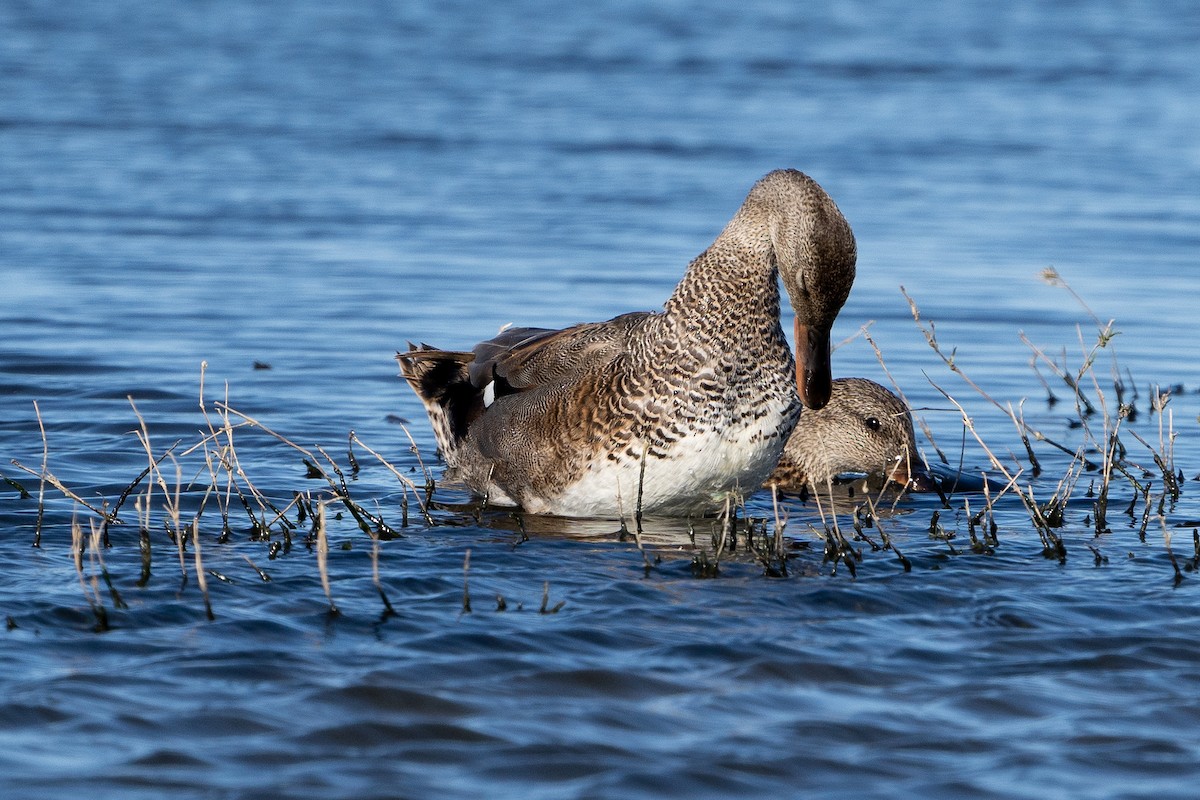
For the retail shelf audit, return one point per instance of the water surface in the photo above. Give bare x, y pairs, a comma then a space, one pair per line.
309, 186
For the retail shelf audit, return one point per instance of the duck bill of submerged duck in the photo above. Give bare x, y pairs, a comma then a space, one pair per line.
814, 376
910, 473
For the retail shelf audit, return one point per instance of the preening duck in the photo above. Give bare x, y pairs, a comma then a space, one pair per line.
673, 411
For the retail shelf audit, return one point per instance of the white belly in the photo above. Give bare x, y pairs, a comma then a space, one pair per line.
696, 475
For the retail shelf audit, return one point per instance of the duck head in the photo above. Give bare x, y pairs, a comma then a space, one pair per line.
815, 254
865, 429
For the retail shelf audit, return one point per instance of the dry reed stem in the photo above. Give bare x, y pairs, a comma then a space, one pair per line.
263, 503
545, 609
780, 523
837, 548
57, 484
1051, 397
1162, 521
637, 514
1082, 403
221, 456
340, 489
364, 518
1164, 454
416, 451
647, 564
407, 482
323, 557
262, 575
1051, 276
201, 578
930, 334
1052, 543
41, 497
172, 507
466, 598
1018, 418
91, 589
228, 458
141, 476
1081, 410
970, 426
725, 517
900, 393
222, 501
388, 611
96, 557
888, 544
143, 435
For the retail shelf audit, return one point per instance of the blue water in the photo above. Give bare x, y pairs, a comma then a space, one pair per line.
311, 185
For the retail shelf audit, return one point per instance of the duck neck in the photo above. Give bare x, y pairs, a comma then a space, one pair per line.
729, 293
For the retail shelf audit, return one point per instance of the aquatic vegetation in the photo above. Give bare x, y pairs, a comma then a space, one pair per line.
202, 495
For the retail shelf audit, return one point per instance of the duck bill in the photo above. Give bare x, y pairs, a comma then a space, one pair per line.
912, 475
814, 376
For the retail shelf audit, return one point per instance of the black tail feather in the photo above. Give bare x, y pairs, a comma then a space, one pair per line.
442, 381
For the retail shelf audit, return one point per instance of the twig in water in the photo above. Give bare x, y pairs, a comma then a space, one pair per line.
22, 492
780, 526
466, 599
637, 516
720, 543
364, 518
837, 548
91, 589
1164, 455
341, 491
1023, 432
1051, 276
323, 556
931, 339
1170, 553
1052, 544
416, 451
546, 601
57, 484
201, 580
1051, 397
262, 575
226, 455
407, 483
96, 555
637, 512
388, 611
888, 544
350, 459
37, 531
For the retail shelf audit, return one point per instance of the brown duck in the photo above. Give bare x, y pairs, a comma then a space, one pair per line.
863, 429
672, 412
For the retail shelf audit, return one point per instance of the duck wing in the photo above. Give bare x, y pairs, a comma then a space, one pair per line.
457, 388
519, 359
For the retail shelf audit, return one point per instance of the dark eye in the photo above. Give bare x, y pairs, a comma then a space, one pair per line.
872, 423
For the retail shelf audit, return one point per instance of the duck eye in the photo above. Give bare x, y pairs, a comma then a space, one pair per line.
873, 423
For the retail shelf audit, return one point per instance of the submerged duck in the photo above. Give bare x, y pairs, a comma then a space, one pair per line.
864, 429
669, 412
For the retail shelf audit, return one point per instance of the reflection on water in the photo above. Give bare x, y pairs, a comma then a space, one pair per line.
309, 187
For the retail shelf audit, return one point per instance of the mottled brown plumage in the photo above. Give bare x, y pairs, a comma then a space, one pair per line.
676, 409
864, 429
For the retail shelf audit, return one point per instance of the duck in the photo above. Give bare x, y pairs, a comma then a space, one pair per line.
864, 430
673, 412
